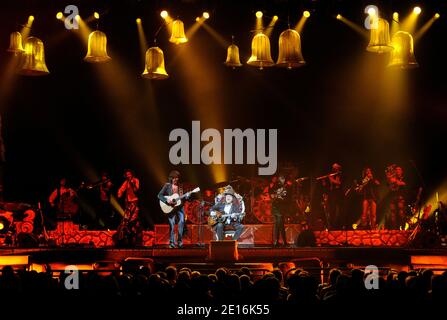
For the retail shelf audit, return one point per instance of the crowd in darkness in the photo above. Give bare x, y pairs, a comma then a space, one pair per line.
297, 288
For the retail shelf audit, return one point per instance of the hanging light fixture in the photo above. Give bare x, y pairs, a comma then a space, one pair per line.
233, 59
155, 65
260, 52
403, 54
290, 55
380, 37
97, 48
178, 32
15, 43
34, 58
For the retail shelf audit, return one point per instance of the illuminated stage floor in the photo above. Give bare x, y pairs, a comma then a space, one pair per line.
385, 257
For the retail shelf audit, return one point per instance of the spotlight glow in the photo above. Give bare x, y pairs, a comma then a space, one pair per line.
31, 18
417, 10
275, 18
437, 15
339, 16
138, 20
197, 19
206, 15
396, 16
259, 14
164, 14
372, 11
306, 14
59, 15
96, 15
78, 17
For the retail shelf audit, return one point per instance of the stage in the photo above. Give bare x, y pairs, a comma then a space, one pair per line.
92, 250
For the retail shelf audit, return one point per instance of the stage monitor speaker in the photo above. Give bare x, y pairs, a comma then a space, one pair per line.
225, 250
426, 239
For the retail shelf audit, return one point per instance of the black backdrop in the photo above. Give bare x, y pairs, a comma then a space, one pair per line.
69, 122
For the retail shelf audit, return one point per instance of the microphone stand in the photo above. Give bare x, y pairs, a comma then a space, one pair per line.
200, 241
200, 232
421, 180
42, 223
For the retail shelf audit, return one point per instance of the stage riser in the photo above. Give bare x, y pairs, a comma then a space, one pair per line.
256, 234
262, 234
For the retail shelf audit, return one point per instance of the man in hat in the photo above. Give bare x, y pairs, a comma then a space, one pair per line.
231, 212
170, 188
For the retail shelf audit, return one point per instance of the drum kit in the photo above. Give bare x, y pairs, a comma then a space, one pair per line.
15, 219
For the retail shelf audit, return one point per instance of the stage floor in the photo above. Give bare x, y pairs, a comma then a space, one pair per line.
161, 256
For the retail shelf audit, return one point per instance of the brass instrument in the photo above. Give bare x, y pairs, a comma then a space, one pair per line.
365, 181
390, 171
281, 193
394, 181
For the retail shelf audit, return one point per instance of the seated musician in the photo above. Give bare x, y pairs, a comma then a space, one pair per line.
229, 210
63, 199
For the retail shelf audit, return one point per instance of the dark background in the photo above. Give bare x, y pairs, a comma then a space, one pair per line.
74, 123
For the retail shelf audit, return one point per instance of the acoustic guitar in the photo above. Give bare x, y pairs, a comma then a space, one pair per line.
176, 201
220, 217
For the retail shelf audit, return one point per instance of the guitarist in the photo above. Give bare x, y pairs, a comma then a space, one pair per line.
231, 206
170, 188
280, 193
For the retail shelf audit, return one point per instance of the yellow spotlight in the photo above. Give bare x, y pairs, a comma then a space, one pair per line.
78, 17
198, 19
306, 14
396, 16
30, 19
164, 14
372, 11
96, 15
59, 15
259, 14
339, 16
2, 226
417, 10
138, 20
206, 15
275, 18
437, 15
